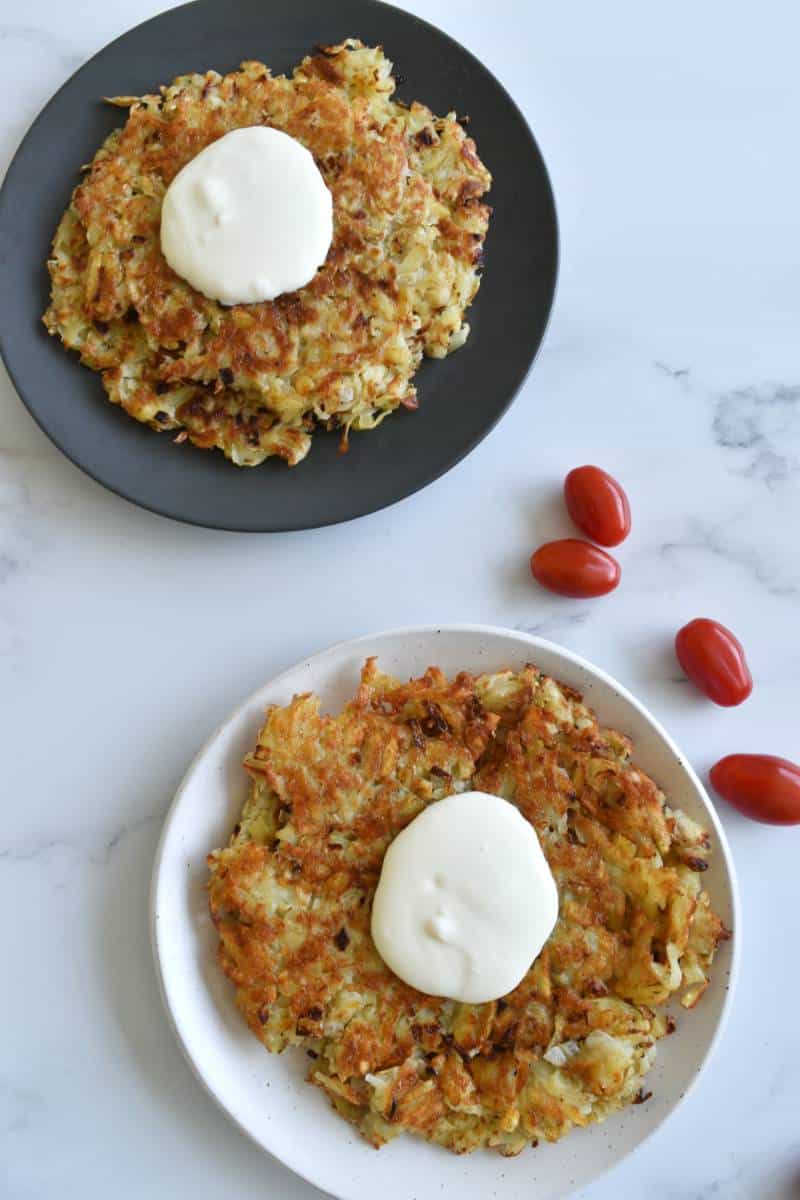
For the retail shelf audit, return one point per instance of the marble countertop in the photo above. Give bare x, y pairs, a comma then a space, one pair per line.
672, 360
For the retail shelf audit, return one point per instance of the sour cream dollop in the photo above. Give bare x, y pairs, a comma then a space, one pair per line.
466, 899
248, 218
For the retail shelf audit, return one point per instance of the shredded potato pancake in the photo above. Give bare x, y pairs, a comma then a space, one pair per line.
291, 897
256, 380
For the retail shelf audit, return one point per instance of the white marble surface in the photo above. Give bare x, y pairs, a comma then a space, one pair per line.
672, 360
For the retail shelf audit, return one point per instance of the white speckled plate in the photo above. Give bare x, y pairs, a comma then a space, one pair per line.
266, 1094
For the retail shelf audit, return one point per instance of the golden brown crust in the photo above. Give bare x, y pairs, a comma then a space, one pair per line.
256, 380
291, 898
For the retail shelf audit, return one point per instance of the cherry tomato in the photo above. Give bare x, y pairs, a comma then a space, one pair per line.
598, 505
575, 568
714, 661
761, 786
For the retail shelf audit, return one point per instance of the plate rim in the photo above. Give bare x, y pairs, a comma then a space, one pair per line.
447, 464
489, 631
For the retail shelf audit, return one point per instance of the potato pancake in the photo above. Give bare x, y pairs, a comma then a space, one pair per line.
256, 380
291, 900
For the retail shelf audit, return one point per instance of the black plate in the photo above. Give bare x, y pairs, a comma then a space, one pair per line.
461, 397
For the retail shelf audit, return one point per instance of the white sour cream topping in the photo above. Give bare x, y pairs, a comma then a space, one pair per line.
466, 899
248, 218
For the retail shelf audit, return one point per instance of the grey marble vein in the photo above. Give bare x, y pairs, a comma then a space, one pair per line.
92, 846
676, 373
20, 1106
554, 623
777, 575
764, 424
